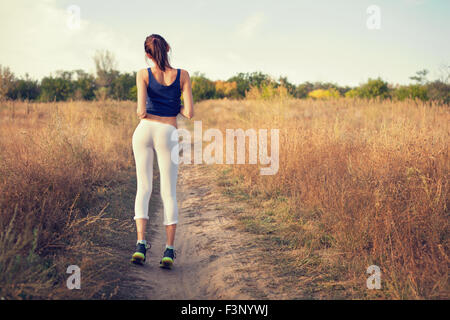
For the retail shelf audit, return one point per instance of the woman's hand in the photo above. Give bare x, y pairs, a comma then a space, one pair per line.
142, 115
184, 113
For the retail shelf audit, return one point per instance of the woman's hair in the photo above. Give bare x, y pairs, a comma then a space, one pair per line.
157, 47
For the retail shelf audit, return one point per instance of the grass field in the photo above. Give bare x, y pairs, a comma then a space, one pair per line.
58, 163
359, 183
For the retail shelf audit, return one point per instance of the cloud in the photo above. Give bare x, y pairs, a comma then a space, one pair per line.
251, 24
39, 37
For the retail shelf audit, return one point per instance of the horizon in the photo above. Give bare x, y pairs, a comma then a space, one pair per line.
320, 42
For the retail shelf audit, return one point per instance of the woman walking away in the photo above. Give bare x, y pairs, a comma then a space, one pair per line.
159, 91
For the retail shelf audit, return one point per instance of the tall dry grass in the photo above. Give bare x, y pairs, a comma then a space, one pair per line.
54, 160
359, 183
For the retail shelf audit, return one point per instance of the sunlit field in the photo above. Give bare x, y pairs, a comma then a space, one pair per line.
56, 159
359, 183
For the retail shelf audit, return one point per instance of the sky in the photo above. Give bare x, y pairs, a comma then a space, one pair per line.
345, 41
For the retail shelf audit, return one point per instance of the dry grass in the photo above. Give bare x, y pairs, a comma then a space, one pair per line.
359, 183
55, 160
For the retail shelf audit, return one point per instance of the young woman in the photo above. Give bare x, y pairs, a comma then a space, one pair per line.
158, 102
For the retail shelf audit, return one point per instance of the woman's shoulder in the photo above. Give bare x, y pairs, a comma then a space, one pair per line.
184, 77
184, 74
142, 73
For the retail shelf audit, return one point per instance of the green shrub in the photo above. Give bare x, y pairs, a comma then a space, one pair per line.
202, 87
414, 91
353, 93
374, 88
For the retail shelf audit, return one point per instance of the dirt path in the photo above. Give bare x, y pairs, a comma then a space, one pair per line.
214, 260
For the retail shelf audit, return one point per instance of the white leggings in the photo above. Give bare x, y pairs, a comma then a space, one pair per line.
163, 138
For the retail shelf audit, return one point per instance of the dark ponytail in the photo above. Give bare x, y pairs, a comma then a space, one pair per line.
157, 47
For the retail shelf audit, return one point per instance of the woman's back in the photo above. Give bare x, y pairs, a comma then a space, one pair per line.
159, 88
163, 99
165, 78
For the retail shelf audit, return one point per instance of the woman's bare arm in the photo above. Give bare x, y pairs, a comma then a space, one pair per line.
141, 94
188, 107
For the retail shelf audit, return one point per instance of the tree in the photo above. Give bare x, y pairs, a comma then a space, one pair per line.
302, 90
25, 89
7, 79
132, 95
283, 81
444, 73
202, 87
414, 91
438, 91
343, 90
84, 86
105, 65
352, 93
246, 80
324, 85
242, 84
226, 89
420, 76
374, 88
122, 85
58, 88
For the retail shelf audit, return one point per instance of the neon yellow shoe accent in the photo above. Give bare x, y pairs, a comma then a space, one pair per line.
166, 262
138, 257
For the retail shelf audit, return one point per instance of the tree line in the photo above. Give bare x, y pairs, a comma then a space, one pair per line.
260, 85
109, 83
106, 83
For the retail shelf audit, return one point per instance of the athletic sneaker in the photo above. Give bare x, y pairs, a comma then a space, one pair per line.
139, 256
167, 260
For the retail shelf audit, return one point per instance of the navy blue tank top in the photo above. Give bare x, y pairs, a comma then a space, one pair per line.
162, 100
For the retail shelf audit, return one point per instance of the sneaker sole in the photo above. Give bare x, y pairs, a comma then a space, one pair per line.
138, 258
166, 263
